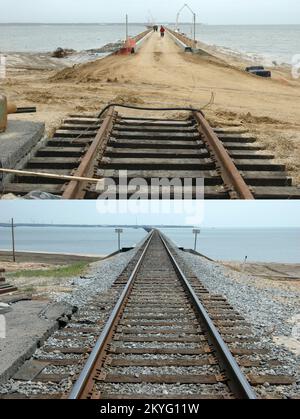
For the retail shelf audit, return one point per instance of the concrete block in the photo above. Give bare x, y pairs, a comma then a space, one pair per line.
5, 308
18, 140
30, 370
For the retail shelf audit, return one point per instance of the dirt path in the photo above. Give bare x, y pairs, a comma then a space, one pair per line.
162, 75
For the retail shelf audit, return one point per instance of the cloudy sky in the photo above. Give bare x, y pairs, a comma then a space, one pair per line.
210, 12
214, 214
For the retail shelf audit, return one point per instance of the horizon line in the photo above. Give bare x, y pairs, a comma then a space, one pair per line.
145, 23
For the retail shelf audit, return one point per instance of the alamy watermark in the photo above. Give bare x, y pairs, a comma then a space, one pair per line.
2, 66
156, 196
296, 66
2, 327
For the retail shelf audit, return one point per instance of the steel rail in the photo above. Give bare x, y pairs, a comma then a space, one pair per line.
75, 189
238, 189
82, 383
237, 383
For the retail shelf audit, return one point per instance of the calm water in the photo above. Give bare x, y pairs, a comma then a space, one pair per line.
260, 245
274, 42
89, 241
266, 245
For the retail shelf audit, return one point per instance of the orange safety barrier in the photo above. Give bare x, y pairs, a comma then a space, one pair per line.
129, 47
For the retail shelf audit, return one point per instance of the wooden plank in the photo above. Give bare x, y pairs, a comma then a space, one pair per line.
273, 380
153, 130
175, 339
198, 164
156, 331
68, 142
8, 290
24, 188
254, 165
243, 146
237, 138
60, 151
106, 396
72, 134
161, 362
152, 152
249, 155
162, 379
80, 126
151, 136
163, 174
161, 351
276, 192
154, 143
53, 162
210, 192
155, 122
266, 178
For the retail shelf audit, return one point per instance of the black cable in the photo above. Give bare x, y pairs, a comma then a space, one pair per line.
140, 108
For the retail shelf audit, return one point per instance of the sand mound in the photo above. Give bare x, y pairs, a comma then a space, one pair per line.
128, 98
107, 69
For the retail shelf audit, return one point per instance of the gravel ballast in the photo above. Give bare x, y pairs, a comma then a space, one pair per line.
269, 310
99, 279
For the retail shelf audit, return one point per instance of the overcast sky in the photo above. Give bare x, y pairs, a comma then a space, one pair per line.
209, 12
216, 214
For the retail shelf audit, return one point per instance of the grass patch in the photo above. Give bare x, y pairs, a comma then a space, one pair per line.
61, 272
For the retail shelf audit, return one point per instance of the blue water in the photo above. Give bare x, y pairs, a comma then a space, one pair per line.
274, 42
45, 38
88, 241
260, 245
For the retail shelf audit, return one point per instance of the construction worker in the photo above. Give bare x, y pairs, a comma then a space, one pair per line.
162, 31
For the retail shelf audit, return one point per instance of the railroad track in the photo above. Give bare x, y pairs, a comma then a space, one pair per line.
161, 335
231, 162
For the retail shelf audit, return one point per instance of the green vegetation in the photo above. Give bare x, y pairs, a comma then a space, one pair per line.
60, 272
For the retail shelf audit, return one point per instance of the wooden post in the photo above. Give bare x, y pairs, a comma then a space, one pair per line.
13, 239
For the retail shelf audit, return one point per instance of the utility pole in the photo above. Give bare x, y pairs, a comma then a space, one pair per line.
13, 239
194, 29
127, 32
196, 232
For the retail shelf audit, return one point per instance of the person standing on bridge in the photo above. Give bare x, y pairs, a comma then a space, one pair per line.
162, 31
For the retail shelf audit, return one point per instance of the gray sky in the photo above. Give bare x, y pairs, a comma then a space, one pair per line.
210, 12
217, 214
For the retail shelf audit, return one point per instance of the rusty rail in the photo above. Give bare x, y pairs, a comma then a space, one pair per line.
75, 189
83, 386
233, 181
237, 382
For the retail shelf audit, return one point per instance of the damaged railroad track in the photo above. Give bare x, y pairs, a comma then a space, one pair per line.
231, 162
165, 336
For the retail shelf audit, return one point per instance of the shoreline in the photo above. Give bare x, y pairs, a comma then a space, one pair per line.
34, 256
267, 109
81, 56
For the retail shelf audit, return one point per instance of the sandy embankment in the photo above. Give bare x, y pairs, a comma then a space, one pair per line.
162, 75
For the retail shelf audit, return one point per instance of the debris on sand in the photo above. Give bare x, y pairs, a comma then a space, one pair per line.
62, 53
